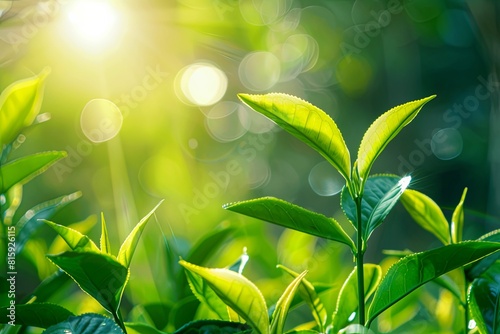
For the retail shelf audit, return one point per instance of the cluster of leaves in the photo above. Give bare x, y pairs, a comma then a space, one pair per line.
225, 295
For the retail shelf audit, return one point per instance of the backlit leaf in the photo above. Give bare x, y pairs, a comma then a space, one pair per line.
281, 311
238, 293
75, 240
310, 296
383, 130
104, 241
414, 270
127, 249
19, 105
289, 215
427, 214
457, 220
307, 123
24, 169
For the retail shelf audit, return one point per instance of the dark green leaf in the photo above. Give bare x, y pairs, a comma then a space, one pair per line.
100, 275
208, 245
477, 268
24, 169
484, 301
32, 219
285, 214
89, 323
414, 270
307, 123
214, 327
41, 315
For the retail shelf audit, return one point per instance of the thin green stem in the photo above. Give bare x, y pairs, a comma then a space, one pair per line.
359, 266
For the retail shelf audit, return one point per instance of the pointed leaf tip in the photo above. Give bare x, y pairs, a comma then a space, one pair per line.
307, 123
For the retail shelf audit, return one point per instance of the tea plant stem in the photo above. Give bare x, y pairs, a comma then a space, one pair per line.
359, 265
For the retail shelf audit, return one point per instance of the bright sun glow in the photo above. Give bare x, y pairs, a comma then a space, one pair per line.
93, 21
203, 84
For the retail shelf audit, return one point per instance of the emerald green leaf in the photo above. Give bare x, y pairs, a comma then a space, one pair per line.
206, 295
99, 275
104, 241
347, 301
215, 327
281, 311
414, 270
383, 130
41, 315
310, 296
380, 195
427, 214
75, 240
33, 218
89, 323
142, 328
48, 287
457, 220
476, 269
24, 169
127, 249
208, 245
285, 214
19, 105
484, 301
307, 123
238, 293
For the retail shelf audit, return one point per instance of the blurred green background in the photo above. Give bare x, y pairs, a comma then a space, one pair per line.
142, 96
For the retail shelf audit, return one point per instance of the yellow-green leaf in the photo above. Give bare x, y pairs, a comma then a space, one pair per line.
427, 214
127, 249
75, 240
19, 105
104, 241
237, 292
307, 123
383, 130
281, 311
457, 220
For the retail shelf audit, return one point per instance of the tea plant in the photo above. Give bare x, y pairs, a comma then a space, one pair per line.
366, 201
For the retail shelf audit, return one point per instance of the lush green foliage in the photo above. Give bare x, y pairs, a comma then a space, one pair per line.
232, 302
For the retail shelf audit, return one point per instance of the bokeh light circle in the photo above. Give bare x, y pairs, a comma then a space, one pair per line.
201, 84
299, 54
100, 120
447, 144
258, 173
325, 180
263, 12
259, 71
223, 121
255, 122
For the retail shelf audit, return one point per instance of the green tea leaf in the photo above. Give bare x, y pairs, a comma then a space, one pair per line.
208, 245
238, 293
215, 327
383, 130
104, 241
414, 270
127, 249
310, 296
33, 218
99, 275
141, 328
41, 315
307, 123
484, 300
22, 170
457, 220
281, 311
285, 214
19, 105
476, 269
347, 301
89, 323
427, 214
75, 240
206, 295
380, 195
